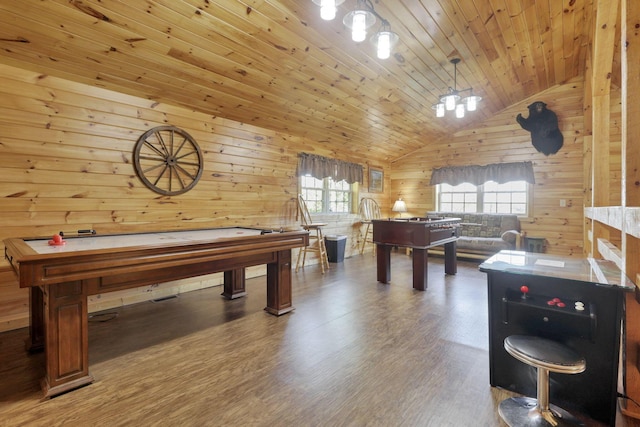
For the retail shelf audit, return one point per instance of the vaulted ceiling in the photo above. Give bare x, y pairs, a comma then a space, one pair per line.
276, 64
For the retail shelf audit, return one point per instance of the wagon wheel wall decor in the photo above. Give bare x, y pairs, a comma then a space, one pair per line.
168, 160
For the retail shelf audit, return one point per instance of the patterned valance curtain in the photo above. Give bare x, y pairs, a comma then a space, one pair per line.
323, 167
478, 175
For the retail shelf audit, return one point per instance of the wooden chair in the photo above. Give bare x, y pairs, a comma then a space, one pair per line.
289, 217
368, 210
316, 239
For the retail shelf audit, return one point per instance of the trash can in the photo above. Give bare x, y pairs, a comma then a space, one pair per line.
335, 245
534, 244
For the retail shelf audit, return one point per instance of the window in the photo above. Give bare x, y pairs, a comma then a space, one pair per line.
458, 198
510, 197
326, 195
491, 197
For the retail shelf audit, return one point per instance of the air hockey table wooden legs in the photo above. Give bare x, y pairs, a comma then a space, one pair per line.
59, 321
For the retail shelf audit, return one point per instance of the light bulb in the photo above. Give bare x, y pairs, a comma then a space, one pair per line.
440, 109
328, 9
384, 44
460, 111
359, 27
471, 103
450, 102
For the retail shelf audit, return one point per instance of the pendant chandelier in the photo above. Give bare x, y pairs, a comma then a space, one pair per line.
452, 101
359, 20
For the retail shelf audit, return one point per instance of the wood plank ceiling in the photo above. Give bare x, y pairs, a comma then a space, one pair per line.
277, 65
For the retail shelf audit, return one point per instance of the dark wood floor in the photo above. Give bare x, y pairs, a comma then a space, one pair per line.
353, 353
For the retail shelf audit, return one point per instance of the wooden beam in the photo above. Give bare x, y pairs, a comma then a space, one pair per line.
603, 50
630, 106
604, 45
587, 154
630, 33
610, 252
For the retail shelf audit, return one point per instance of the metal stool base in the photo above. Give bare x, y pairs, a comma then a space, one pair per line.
524, 412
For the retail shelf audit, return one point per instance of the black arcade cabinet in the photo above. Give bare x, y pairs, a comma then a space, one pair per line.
576, 301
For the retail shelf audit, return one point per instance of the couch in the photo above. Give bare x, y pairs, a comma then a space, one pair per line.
482, 235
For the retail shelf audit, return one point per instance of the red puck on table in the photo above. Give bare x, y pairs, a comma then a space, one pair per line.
57, 240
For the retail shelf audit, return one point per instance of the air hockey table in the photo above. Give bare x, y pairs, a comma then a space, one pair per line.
61, 275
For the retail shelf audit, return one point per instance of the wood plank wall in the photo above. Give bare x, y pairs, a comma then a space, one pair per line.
501, 139
67, 147
66, 152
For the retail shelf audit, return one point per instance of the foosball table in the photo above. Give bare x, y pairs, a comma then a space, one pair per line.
419, 234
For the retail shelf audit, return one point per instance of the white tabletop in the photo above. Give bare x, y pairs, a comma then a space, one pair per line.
96, 242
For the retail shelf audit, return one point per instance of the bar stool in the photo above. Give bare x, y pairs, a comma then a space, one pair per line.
547, 356
368, 211
316, 239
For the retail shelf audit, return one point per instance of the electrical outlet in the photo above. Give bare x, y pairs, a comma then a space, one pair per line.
563, 203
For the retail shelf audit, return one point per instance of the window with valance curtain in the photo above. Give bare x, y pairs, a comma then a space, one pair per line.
478, 175
324, 167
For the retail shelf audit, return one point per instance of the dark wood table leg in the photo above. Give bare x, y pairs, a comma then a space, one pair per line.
234, 284
383, 254
420, 269
35, 342
450, 258
66, 322
279, 296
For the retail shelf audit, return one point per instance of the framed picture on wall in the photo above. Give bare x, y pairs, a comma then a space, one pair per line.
376, 180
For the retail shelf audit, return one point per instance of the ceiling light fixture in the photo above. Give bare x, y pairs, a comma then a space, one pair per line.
449, 102
384, 40
359, 21
328, 8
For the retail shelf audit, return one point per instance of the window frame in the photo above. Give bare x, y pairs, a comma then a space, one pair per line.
479, 200
326, 200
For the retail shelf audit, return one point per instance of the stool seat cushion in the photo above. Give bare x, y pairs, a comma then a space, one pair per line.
545, 353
